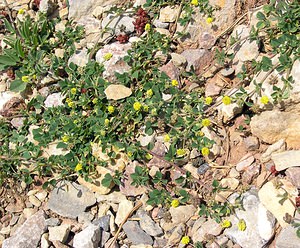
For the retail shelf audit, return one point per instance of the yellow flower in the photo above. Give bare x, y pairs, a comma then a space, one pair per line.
208, 100
147, 27
65, 138
194, 2
73, 91
226, 223
78, 167
149, 93
264, 100
167, 138
71, 104
25, 79
129, 154
174, 82
242, 225
148, 156
205, 151
180, 152
200, 133
106, 122
209, 20
205, 122
175, 203
110, 109
146, 108
21, 11
185, 240
226, 100
137, 106
107, 56
95, 101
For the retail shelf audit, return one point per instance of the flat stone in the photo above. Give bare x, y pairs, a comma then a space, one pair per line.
287, 238
148, 225
135, 234
59, 233
90, 24
17, 122
260, 223
34, 201
248, 51
279, 146
114, 197
286, 159
251, 143
88, 237
293, 174
124, 209
270, 196
68, 194
210, 227
196, 58
52, 222
229, 183
29, 234
103, 222
182, 214
79, 58
226, 72
177, 234
54, 100
245, 163
118, 23
45, 243
168, 14
228, 112
212, 89
171, 70
159, 24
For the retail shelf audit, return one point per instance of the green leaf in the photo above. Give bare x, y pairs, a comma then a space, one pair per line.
62, 145
261, 16
18, 85
107, 180
19, 48
7, 61
8, 26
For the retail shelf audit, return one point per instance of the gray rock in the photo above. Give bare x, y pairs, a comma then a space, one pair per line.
251, 143
259, 221
103, 222
148, 225
46, 6
203, 168
208, 227
59, 233
88, 237
293, 174
79, 8
17, 122
286, 159
196, 58
29, 234
279, 146
104, 238
178, 60
90, 24
226, 72
176, 235
54, 100
80, 58
159, 24
212, 89
182, 214
52, 222
135, 234
68, 194
118, 23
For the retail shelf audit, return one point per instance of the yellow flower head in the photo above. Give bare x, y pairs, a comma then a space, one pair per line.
167, 138
25, 79
200, 134
174, 82
65, 138
205, 122
146, 108
147, 27
205, 151
106, 122
137, 106
129, 154
107, 56
226, 100
71, 104
185, 240
194, 2
78, 167
226, 223
264, 100
95, 101
209, 20
242, 225
73, 91
149, 93
110, 109
148, 156
180, 152
21, 11
175, 203
208, 100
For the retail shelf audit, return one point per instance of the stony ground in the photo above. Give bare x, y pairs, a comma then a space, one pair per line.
250, 157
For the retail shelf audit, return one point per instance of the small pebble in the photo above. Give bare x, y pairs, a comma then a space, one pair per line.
226, 72
203, 168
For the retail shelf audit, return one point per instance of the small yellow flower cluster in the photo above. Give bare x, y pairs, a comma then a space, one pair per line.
25, 79
95, 101
175, 203
21, 11
208, 100
107, 56
149, 93
65, 138
226, 224
242, 225
70, 103
110, 109
148, 156
205, 122
78, 167
200, 134
264, 100
73, 91
106, 122
174, 82
226, 100
205, 151
147, 27
167, 138
185, 240
194, 2
137, 106
180, 152
209, 20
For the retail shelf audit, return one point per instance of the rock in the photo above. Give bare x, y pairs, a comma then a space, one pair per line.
286, 159
52, 222
287, 238
159, 24
54, 100
114, 197
293, 174
148, 225
228, 112
78, 8
103, 222
119, 24
259, 223
251, 143
196, 58
34, 201
178, 60
91, 25
17, 122
46, 6
160, 150
63, 13
171, 70
245, 162
45, 240
52, 149
8, 99
41, 195
176, 235
203, 168
182, 214
88, 237
271, 195
279, 146
59, 233
226, 72
124, 209
79, 58
248, 50
29, 234
211, 89
206, 40
68, 194
135, 234
85, 218
271, 126
102, 209
229, 183
29, 212
192, 169
146, 139
168, 14
209, 227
